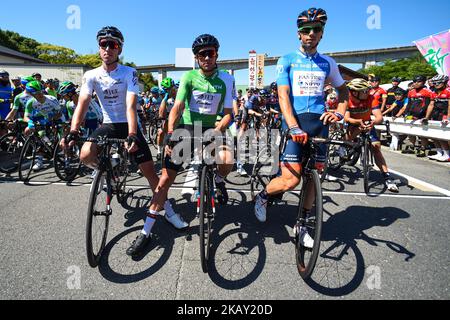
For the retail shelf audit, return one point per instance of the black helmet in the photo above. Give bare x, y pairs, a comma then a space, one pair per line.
399, 92
312, 15
375, 79
420, 78
205, 40
273, 85
4, 74
110, 32
396, 79
34, 75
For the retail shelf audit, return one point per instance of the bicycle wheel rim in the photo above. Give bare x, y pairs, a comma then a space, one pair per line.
97, 225
306, 258
11, 147
27, 159
205, 218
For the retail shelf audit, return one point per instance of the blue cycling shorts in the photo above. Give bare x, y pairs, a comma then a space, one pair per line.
311, 124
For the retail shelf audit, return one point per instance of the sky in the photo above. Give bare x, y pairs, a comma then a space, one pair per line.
153, 29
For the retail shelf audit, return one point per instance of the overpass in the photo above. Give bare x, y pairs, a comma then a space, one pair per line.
364, 57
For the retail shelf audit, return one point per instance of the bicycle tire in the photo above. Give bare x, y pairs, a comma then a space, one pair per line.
11, 147
306, 258
28, 153
59, 163
97, 187
206, 215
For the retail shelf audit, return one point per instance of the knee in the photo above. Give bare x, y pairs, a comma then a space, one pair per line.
291, 184
87, 155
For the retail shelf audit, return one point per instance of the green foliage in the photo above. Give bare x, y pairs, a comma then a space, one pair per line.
92, 60
404, 68
19, 43
148, 80
56, 54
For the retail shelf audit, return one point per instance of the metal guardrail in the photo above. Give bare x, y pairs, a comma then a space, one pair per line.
433, 130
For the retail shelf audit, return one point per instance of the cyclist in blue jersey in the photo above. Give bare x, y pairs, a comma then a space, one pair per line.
302, 76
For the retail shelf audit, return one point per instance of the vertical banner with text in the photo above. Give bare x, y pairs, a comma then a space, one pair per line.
436, 50
252, 68
260, 71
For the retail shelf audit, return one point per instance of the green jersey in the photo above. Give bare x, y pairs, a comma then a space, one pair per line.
205, 97
47, 110
51, 92
20, 101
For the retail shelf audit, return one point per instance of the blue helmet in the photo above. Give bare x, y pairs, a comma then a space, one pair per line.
154, 90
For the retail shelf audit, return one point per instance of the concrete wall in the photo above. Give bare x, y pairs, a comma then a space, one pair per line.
63, 73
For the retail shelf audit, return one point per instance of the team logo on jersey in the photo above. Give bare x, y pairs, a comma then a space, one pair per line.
280, 69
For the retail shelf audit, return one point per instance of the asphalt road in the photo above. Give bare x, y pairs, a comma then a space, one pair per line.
384, 246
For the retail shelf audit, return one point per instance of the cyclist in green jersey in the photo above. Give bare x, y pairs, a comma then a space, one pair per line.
20, 101
203, 94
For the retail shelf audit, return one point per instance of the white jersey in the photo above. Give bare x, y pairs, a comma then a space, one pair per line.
112, 89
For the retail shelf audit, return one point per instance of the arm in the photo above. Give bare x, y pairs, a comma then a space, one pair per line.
223, 124
353, 121
429, 110
132, 114
378, 116
175, 115
286, 106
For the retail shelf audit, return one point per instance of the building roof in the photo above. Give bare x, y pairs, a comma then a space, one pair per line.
16, 54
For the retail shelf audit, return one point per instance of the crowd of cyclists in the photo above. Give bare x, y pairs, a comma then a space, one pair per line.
308, 96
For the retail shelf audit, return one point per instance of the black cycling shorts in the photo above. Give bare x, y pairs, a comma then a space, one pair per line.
120, 131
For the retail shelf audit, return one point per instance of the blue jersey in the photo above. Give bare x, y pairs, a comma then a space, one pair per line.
252, 102
306, 76
6, 100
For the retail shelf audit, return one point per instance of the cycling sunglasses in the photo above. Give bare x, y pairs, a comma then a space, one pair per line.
307, 30
207, 53
109, 43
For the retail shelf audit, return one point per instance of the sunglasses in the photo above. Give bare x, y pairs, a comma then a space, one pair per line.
207, 53
307, 30
111, 44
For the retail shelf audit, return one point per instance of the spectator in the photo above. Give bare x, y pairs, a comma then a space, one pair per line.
419, 99
17, 86
392, 92
378, 93
400, 100
6, 92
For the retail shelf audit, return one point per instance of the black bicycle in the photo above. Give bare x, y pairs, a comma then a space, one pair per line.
206, 197
11, 145
40, 143
109, 181
310, 220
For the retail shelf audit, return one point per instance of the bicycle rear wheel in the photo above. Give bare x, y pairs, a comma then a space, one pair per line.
262, 174
306, 258
67, 162
206, 216
99, 212
10, 149
28, 158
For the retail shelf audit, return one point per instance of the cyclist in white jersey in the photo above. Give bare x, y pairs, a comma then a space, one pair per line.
117, 89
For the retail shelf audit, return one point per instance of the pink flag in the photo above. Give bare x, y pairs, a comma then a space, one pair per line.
436, 50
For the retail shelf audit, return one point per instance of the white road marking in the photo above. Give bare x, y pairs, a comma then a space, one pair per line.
419, 183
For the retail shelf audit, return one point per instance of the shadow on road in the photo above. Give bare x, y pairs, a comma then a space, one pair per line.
340, 269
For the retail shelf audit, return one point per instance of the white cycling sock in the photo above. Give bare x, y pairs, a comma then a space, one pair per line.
149, 222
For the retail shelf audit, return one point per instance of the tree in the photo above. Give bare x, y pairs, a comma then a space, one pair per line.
92, 60
404, 68
148, 80
56, 54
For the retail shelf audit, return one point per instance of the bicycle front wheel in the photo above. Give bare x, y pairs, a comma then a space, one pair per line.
67, 162
10, 150
99, 212
206, 216
306, 258
28, 158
